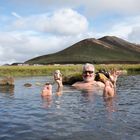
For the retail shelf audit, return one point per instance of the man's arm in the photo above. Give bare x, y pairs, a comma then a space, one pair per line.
109, 89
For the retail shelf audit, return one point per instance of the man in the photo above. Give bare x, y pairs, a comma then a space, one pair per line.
47, 89
90, 84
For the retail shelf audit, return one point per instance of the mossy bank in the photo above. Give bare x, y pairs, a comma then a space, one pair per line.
65, 69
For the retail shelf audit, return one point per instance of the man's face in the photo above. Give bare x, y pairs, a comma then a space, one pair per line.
88, 74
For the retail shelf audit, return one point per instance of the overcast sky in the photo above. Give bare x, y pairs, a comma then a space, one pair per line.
30, 28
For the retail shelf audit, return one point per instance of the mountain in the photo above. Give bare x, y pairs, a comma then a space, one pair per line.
108, 49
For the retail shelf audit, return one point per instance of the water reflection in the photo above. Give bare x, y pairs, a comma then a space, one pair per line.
59, 91
72, 114
110, 105
7, 89
89, 96
47, 101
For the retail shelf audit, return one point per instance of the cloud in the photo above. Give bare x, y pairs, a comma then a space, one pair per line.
16, 15
128, 29
134, 35
35, 35
21, 46
91, 7
63, 21
67, 21
123, 7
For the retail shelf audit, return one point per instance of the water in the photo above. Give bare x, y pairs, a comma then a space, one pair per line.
74, 115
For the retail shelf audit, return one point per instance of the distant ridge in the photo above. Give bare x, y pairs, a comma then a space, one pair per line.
108, 49
112, 40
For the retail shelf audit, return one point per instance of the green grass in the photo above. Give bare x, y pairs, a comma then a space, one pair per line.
65, 69
36, 70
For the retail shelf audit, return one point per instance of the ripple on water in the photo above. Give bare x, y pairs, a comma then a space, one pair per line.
73, 115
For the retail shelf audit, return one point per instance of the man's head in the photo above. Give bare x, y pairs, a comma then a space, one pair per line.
88, 72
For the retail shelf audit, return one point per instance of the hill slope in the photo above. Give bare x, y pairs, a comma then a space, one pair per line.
108, 49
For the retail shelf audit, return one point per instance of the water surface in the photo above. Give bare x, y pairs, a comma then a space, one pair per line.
24, 115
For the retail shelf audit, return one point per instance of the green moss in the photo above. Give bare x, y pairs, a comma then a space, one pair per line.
67, 70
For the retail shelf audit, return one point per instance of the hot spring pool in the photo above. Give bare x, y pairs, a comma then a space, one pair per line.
74, 115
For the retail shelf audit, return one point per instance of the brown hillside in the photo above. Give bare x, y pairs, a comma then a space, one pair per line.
108, 49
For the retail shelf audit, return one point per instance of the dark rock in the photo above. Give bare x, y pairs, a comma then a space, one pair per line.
71, 79
27, 85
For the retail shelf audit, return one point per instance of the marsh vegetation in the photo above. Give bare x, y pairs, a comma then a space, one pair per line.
65, 69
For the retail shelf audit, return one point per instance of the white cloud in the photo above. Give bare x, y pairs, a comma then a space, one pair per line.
134, 35
24, 38
124, 7
16, 15
67, 21
63, 21
128, 29
92, 7
17, 46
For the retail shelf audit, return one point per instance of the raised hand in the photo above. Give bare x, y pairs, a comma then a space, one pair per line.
58, 78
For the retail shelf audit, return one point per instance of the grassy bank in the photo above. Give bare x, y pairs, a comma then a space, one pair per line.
65, 69
37, 70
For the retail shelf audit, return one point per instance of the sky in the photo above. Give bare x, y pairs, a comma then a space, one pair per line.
31, 28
